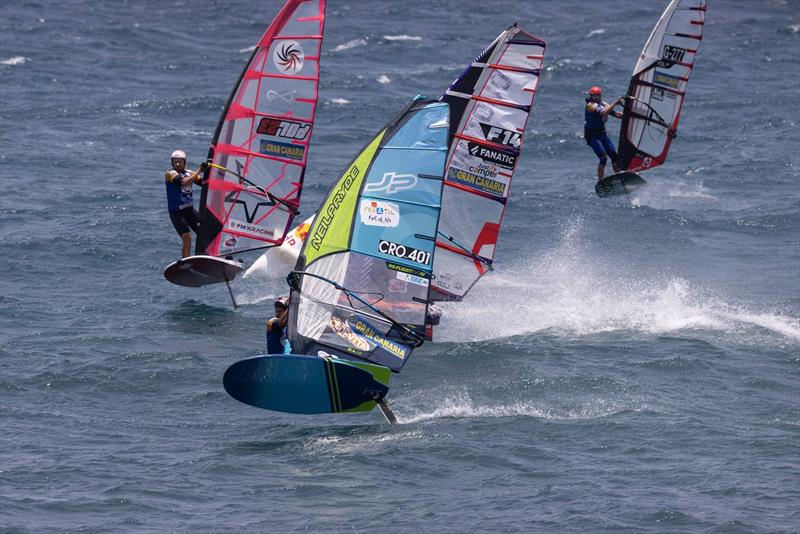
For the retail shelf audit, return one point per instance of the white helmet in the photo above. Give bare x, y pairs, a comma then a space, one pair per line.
178, 154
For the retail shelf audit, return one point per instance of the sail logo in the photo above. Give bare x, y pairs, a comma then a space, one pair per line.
491, 155
482, 183
252, 229
392, 182
401, 251
234, 198
283, 128
376, 213
329, 212
666, 80
281, 150
482, 169
671, 55
343, 330
288, 96
288, 57
501, 136
368, 331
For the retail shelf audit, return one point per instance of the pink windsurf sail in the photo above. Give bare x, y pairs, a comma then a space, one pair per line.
259, 151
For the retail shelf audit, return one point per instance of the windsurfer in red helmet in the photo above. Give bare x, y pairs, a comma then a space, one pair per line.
594, 131
179, 183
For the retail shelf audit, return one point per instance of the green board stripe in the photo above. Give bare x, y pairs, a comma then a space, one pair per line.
333, 386
336, 394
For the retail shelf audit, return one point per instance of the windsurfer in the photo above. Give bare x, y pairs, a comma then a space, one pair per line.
277, 341
596, 114
179, 182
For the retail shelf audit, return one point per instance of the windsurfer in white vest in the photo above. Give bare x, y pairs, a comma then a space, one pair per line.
179, 182
596, 114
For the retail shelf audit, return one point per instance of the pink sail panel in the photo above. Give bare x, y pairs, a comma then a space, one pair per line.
260, 148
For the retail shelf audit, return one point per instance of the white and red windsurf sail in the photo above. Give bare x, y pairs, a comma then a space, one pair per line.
490, 104
658, 86
260, 147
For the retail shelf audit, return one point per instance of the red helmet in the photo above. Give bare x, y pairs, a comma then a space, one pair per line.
595, 91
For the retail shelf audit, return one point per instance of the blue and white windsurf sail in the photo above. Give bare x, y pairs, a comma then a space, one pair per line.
362, 281
490, 104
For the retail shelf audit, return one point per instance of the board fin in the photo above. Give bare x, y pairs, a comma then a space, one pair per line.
386, 411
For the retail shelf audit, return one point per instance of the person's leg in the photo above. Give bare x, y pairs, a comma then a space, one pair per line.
608, 145
193, 218
187, 244
599, 150
179, 222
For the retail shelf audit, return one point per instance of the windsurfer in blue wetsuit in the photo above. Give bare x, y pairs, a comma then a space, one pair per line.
179, 182
277, 342
596, 114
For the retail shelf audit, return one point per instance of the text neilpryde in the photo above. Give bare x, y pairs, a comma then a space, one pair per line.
333, 207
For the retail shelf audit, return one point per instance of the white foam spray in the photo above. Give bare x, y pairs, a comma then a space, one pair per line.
16, 60
565, 292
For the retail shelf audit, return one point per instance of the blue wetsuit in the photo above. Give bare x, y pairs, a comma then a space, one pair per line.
276, 338
180, 203
594, 131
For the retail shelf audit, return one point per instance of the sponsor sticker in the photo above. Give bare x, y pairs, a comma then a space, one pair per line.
282, 150
379, 213
413, 279
406, 269
247, 228
288, 57
490, 155
402, 251
482, 183
501, 136
361, 326
666, 80
230, 242
283, 128
343, 330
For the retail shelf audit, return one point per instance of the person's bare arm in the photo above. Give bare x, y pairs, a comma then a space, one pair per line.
195, 176
609, 109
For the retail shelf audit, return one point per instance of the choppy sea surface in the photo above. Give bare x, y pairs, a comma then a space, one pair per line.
626, 368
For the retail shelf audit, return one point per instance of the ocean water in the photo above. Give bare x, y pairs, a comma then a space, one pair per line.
626, 368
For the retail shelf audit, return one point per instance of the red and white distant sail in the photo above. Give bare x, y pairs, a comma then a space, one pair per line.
260, 148
658, 86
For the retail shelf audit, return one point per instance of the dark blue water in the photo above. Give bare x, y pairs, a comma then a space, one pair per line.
626, 368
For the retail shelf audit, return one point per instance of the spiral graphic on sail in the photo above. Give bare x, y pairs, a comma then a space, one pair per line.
289, 57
